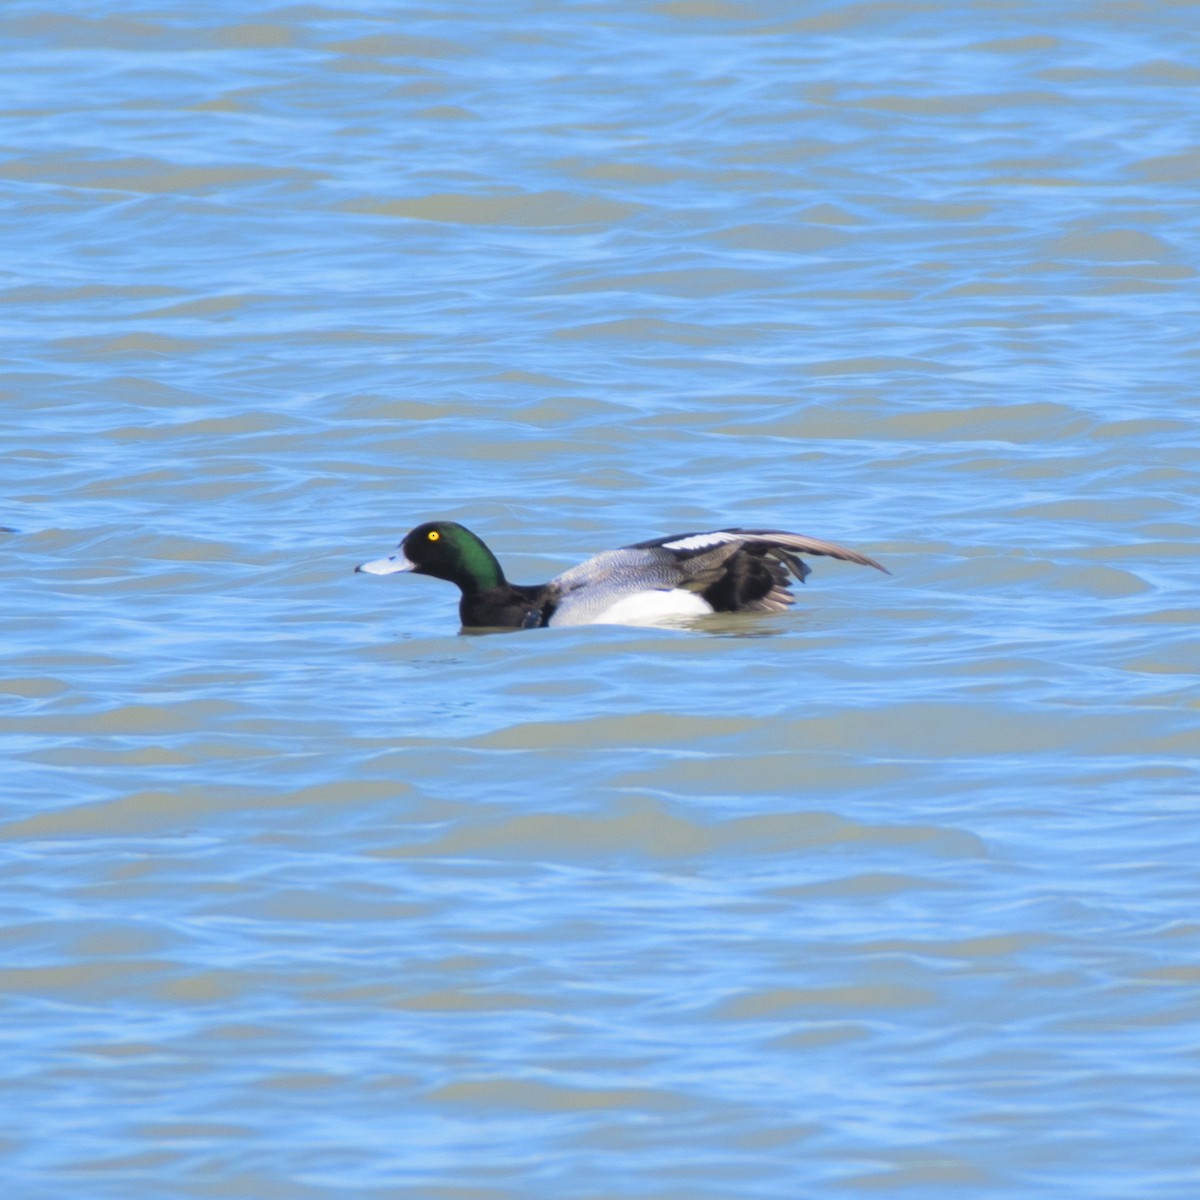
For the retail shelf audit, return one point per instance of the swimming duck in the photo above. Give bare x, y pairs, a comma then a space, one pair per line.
684, 575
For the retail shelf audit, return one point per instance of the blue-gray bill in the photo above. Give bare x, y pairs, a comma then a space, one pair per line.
391, 565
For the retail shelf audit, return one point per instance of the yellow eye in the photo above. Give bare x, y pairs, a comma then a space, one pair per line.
434, 535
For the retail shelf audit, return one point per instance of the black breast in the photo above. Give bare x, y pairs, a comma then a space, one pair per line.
509, 607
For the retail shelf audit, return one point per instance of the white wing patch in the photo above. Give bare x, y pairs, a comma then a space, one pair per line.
701, 541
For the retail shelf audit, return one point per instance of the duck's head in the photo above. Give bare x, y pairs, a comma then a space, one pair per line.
445, 550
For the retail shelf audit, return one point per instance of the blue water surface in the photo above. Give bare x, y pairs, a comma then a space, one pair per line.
307, 895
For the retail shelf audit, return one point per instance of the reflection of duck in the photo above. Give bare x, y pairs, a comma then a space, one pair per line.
685, 575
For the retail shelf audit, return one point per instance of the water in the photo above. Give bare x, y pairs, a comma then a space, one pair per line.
306, 895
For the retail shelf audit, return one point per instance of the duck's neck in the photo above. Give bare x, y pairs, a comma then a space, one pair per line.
478, 570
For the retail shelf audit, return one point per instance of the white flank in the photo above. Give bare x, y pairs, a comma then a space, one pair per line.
652, 608
699, 540
386, 566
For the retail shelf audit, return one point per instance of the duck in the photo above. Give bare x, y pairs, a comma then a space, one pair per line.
663, 580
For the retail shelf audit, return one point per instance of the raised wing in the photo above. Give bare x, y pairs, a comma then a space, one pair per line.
763, 540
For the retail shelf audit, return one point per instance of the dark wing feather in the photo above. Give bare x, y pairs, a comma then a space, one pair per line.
798, 543
737, 570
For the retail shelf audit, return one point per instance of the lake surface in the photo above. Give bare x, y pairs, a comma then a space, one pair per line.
307, 895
